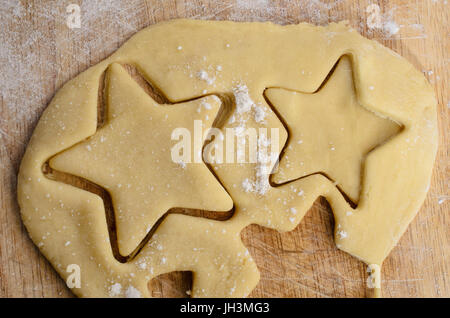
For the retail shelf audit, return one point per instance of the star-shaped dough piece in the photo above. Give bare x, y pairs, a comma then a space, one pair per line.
329, 131
130, 157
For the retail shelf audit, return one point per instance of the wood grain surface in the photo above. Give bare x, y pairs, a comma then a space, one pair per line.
39, 53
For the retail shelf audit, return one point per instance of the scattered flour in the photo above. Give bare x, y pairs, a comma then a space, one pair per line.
342, 234
205, 104
115, 289
244, 104
143, 265
391, 27
132, 292
247, 185
31, 56
265, 161
204, 76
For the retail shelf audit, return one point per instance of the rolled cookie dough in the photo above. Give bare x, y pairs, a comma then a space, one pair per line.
266, 76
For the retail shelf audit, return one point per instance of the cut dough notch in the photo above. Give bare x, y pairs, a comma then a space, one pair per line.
301, 251
227, 99
330, 132
146, 84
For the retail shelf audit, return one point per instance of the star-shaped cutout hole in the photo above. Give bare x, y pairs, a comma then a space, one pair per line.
130, 157
329, 131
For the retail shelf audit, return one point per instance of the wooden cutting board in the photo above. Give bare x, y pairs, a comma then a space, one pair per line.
39, 53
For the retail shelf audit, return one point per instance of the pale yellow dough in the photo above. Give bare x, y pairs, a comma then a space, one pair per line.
368, 133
